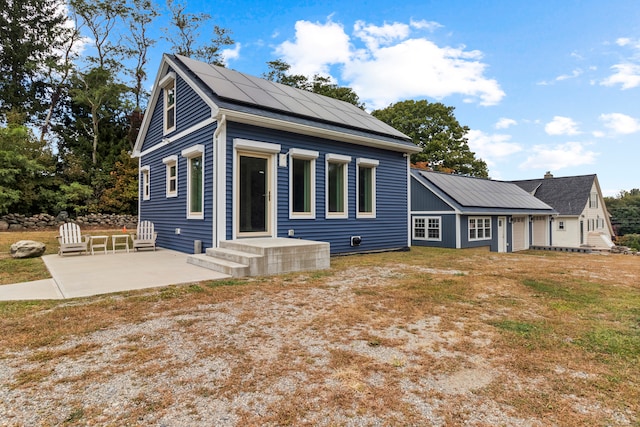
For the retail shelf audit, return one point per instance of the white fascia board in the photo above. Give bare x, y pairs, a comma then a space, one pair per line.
272, 123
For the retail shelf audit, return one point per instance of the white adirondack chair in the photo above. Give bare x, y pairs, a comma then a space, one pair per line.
145, 237
72, 240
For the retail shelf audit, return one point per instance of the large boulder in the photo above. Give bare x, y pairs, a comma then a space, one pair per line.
27, 249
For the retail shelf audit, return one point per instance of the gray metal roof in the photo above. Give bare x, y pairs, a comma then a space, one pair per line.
568, 195
470, 192
248, 90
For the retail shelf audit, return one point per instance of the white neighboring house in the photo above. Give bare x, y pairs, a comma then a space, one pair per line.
583, 220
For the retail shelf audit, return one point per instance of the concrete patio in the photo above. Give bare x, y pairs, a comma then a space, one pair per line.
85, 275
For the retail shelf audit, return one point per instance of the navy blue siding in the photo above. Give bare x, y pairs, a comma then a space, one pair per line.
387, 231
448, 232
170, 213
492, 243
190, 110
422, 199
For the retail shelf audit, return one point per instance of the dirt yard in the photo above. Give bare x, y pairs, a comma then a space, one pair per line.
427, 337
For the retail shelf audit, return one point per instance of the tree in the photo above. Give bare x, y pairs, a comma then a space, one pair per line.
279, 73
26, 169
184, 33
32, 34
625, 211
434, 128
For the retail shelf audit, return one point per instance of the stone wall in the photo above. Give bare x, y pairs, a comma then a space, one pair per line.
17, 222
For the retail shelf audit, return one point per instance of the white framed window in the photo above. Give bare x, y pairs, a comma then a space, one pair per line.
302, 183
337, 173
366, 188
561, 226
145, 175
479, 228
593, 200
168, 85
171, 164
427, 228
195, 181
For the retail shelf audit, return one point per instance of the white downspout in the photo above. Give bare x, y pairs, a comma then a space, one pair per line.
218, 180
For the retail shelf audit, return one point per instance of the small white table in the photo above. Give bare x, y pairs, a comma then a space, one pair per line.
120, 240
98, 242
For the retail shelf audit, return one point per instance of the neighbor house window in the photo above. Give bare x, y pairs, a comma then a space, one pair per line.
366, 187
146, 183
479, 228
171, 164
336, 191
426, 228
302, 183
593, 200
561, 225
195, 181
168, 84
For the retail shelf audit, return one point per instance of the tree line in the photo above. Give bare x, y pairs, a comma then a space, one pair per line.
73, 78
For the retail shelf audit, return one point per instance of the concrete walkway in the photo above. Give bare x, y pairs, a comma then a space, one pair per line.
85, 275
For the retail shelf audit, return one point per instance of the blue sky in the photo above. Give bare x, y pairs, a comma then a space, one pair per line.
543, 85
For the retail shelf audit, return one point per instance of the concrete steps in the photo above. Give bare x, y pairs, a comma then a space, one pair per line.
264, 256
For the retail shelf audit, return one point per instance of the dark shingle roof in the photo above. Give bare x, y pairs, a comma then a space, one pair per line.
472, 192
254, 94
568, 195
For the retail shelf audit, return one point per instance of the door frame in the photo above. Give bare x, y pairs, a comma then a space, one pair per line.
266, 151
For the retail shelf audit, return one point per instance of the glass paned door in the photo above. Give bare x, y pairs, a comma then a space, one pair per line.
253, 194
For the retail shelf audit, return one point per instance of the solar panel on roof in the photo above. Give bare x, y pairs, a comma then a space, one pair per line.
236, 86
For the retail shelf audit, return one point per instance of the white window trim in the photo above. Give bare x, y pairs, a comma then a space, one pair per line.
311, 156
256, 146
189, 153
171, 161
373, 165
343, 160
145, 172
476, 218
165, 82
426, 228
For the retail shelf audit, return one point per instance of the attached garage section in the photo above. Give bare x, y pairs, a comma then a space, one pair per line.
519, 230
539, 231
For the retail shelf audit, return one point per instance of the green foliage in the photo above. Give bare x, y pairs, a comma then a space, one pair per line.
434, 128
32, 33
26, 167
629, 240
75, 197
625, 212
279, 73
121, 195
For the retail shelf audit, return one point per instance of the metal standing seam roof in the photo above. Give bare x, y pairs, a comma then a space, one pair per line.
568, 195
470, 192
242, 88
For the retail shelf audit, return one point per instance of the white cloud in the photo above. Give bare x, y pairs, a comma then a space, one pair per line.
317, 46
620, 123
425, 25
504, 123
231, 54
492, 148
574, 74
384, 64
561, 126
627, 75
559, 156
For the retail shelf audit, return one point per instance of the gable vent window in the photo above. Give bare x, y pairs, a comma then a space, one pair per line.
593, 200
168, 84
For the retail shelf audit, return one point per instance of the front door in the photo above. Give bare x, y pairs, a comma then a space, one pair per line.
254, 195
502, 234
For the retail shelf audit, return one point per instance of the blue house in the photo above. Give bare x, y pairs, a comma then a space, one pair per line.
454, 211
228, 157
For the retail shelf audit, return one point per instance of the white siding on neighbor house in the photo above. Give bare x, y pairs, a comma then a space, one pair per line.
595, 216
570, 236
